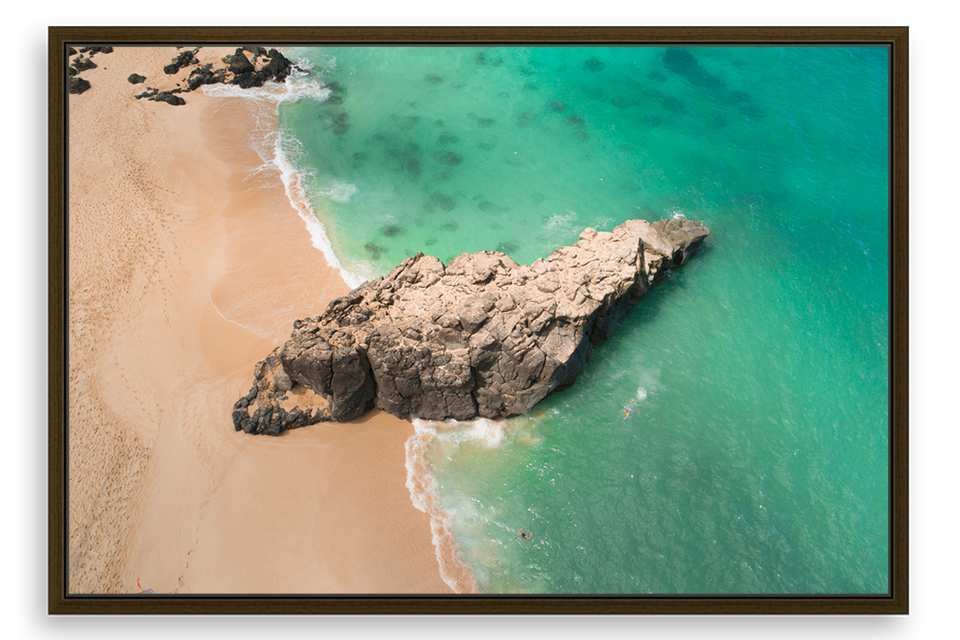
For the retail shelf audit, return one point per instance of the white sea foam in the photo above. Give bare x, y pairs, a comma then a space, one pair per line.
339, 191
420, 483
464, 514
293, 184
423, 487
297, 86
649, 382
423, 494
488, 432
279, 152
560, 222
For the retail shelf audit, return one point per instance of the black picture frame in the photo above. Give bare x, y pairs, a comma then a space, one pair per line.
898, 37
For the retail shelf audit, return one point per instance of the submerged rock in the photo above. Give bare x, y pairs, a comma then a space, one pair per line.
479, 336
557, 106
593, 65
443, 201
450, 158
683, 63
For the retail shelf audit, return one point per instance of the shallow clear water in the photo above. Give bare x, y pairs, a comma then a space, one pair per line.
755, 457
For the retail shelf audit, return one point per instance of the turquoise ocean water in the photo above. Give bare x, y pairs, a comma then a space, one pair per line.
755, 459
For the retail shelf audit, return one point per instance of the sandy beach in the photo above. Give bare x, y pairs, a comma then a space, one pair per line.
187, 265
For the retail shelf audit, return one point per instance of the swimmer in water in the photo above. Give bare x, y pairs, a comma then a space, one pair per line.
626, 411
524, 534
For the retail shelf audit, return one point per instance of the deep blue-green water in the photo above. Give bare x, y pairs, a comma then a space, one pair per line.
755, 457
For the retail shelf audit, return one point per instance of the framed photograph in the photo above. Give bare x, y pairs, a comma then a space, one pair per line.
478, 320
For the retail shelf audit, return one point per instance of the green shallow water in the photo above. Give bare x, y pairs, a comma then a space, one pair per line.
755, 457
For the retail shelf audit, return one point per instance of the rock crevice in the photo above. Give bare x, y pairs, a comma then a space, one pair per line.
479, 337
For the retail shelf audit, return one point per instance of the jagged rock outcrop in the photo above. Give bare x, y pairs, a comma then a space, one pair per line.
480, 336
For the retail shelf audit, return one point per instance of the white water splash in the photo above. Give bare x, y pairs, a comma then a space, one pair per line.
297, 86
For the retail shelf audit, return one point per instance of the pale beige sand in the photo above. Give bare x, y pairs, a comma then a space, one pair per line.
186, 267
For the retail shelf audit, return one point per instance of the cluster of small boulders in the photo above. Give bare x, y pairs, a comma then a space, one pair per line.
82, 63
249, 66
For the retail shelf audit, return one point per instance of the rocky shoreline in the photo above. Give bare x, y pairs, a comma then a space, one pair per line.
478, 337
248, 66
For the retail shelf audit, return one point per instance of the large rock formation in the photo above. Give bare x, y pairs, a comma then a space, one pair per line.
480, 336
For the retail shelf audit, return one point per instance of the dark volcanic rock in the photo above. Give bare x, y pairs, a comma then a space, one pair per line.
134, 78
278, 67
169, 97
256, 51
240, 69
183, 59
239, 63
205, 75
83, 64
93, 50
78, 85
246, 74
249, 79
480, 336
